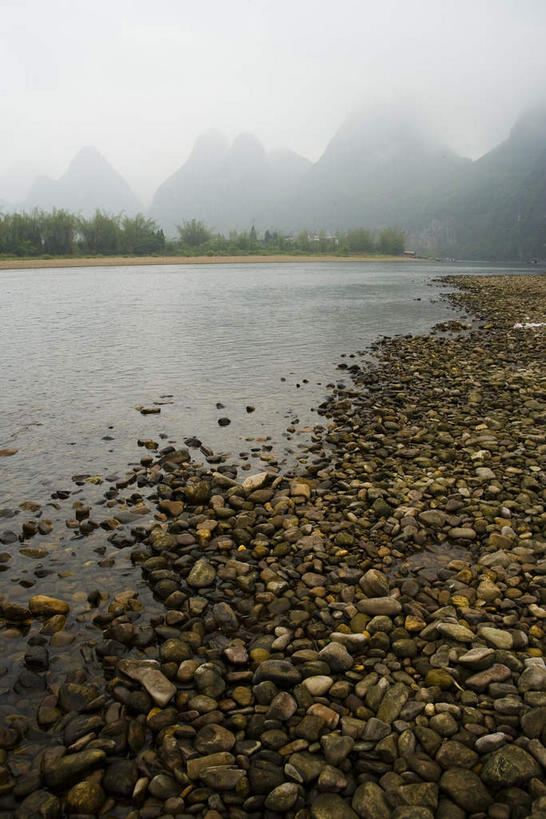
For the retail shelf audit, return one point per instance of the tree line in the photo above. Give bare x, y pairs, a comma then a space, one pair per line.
60, 233
194, 236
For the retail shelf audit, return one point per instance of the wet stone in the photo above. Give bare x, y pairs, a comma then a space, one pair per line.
39, 804
85, 798
331, 806
42, 605
202, 574
155, 683
280, 672
282, 798
509, 765
213, 738
70, 767
466, 789
120, 778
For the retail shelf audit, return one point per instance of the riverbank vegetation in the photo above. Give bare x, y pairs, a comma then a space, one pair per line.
62, 234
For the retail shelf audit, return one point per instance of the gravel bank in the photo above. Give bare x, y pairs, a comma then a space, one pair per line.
360, 637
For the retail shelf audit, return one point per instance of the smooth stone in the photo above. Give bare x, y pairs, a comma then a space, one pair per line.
477, 658
392, 703
374, 583
151, 678
466, 789
72, 766
456, 632
120, 778
163, 786
197, 765
336, 748
15, 611
490, 742
282, 706
331, 806
282, 798
253, 482
462, 533
337, 657
85, 797
281, 672
369, 802
39, 805
213, 738
380, 605
42, 605
497, 637
319, 685
497, 673
453, 754
533, 678
433, 517
202, 574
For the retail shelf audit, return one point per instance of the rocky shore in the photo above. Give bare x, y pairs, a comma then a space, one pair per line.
362, 636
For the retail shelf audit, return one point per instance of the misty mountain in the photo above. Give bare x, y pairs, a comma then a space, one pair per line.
229, 187
497, 209
90, 182
379, 169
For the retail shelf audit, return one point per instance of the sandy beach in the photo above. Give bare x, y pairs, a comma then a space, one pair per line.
117, 261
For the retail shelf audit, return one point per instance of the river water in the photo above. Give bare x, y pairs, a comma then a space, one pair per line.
80, 348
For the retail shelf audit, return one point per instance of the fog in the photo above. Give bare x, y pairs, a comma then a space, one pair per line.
141, 81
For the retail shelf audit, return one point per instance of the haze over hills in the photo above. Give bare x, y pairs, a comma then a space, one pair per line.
229, 187
497, 209
90, 182
378, 170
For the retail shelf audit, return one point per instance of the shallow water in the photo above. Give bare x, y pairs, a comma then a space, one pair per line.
81, 348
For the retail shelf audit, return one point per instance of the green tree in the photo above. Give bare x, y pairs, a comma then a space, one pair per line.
193, 234
101, 234
141, 236
391, 241
359, 241
58, 230
302, 241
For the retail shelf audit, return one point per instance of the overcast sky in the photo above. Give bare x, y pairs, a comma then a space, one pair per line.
140, 79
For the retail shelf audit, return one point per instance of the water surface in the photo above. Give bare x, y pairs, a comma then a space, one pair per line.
80, 348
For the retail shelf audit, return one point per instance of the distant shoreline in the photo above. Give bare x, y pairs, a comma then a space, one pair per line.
130, 261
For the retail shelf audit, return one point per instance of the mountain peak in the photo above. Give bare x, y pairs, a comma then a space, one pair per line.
89, 183
89, 160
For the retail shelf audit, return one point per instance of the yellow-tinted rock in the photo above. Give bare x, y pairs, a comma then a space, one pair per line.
460, 600
413, 623
439, 677
258, 655
41, 605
